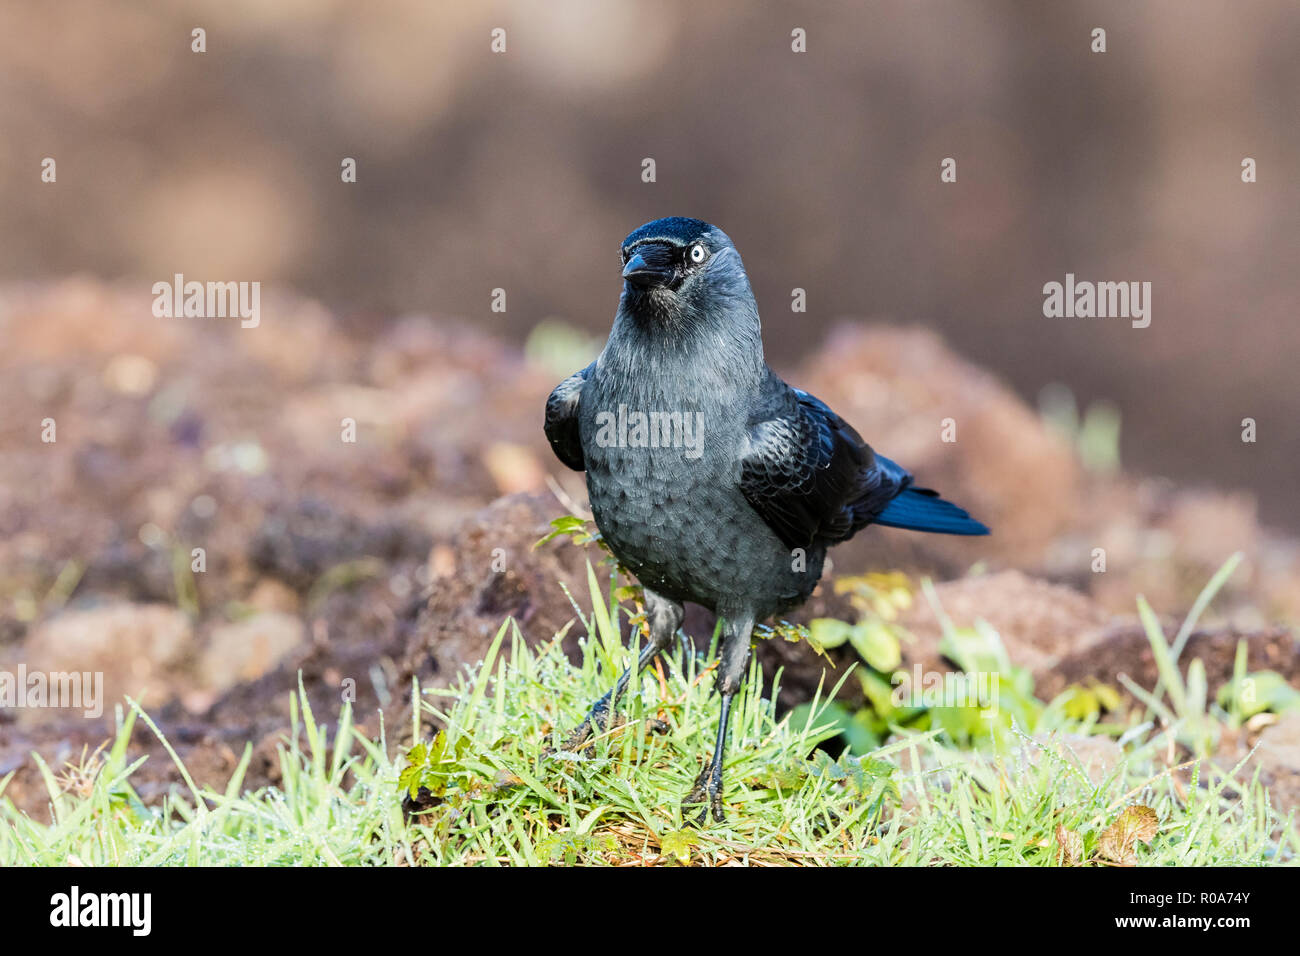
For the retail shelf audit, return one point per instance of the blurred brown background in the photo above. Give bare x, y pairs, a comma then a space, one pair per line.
522, 171
375, 562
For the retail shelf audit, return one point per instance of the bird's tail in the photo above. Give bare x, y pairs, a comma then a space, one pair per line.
920, 509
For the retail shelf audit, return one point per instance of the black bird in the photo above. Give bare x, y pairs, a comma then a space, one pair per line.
711, 479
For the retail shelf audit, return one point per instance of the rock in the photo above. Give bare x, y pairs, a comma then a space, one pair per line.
142, 649
270, 594
248, 649
514, 468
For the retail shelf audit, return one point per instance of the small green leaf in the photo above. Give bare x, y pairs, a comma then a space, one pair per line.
877, 644
1258, 692
825, 633
678, 843
570, 526
1107, 696
975, 649
1082, 704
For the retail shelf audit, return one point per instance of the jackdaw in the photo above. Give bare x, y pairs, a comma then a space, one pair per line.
710, 478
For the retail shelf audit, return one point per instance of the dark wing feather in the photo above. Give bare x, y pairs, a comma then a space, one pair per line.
810, 474
562, 419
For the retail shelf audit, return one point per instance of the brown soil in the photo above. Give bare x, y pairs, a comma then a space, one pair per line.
362, 564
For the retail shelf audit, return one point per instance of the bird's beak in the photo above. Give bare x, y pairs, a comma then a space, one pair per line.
651, 265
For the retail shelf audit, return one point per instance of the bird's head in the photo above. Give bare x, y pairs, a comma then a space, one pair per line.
678, 270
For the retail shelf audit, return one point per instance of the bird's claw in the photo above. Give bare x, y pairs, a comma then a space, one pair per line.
585, 731
707, 785
597, 717
574, 740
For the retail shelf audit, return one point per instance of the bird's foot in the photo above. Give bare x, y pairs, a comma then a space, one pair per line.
708, 786
596, 721
587, 730
576, 738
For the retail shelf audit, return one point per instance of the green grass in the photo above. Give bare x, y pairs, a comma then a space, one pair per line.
915, 801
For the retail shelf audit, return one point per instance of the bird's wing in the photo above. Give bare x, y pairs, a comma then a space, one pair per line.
810, 474
562, 419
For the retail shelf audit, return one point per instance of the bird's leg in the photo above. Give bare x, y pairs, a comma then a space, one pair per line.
664, 617
731, 673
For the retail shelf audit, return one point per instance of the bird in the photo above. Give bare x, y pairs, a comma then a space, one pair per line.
709, 478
